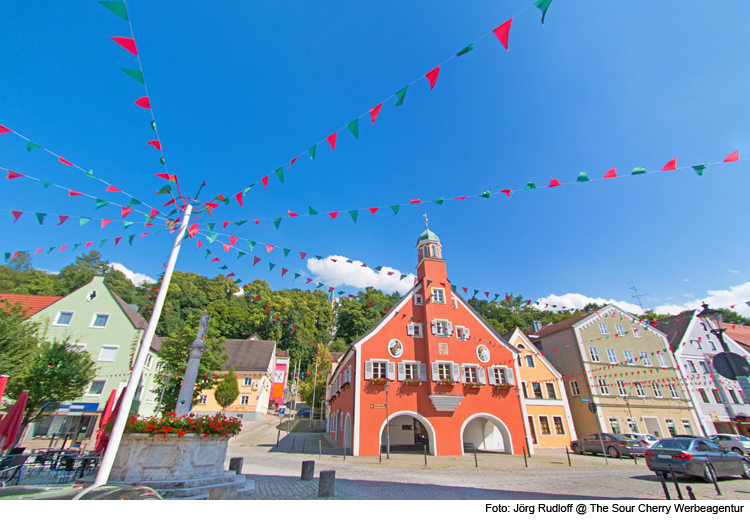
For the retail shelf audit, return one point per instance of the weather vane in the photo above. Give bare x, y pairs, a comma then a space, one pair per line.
425, 221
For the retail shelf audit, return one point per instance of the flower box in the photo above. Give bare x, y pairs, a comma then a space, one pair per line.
447, 383
472, 385
412, 381
379, 381
345, 385
504, 386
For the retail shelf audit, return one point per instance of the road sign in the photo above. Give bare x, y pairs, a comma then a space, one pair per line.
731, 365
377, 406
592, 407
585, 400
282, 411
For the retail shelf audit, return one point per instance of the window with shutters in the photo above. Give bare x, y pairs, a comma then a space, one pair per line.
536, 387
603, 387
646, 359
379, 369
639, 389
203, 399
551, 394
462, 333
414, 330
544, 425
559, 427
418, 300
438, 295
622, 388
445, 371
574, 390
594, 353
497, 376
472, 375
455, 303
442, 328
629, 359
603, 329
612, 355
411, 371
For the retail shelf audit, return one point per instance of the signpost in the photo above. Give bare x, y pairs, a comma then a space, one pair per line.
592, 408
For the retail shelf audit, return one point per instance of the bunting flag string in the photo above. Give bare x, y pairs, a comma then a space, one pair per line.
83, 220
502, 34
554, 182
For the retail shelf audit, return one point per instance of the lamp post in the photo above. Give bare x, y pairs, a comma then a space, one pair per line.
165, 379
387, 424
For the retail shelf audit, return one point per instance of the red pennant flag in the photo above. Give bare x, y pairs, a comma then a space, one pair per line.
374, 210
264, 179
230, 275
226, 247
257, 222
502, 31
199, 244
460, 197
432, 76
239, 198
611, 173
117, 240
487, 294
62, 248
671, 165
391, 272
170, 202
127, 43
105, 222
334, 260
125, 211
168, 177
216, 259
69, 164
283, 271
308, 281
464, 289
292, 162
62, 219
554, 183
255, 260
144, 234
734, 156
291, 214
4, 130
153, 213
415, 200
71, 192
334, 214
269, 247
12, 175
331, 289
332, 140
143, 102
506, 192
155, 143
40, 250
224, 225
233, 240
374, 112
112, 188
17, 215
302, 255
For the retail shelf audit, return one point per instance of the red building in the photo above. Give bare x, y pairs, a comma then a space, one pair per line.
450, 380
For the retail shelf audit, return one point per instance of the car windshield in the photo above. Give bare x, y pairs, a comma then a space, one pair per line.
674, 443
651, 438
620, 438
743, 438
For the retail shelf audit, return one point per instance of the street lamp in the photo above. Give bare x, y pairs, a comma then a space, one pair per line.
387, 424
165, 379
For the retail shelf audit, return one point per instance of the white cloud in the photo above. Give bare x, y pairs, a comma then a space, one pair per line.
735, 295
733, 271
343, 274
577, 300
135, 278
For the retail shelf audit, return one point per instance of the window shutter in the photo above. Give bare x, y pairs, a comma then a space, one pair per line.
435, 374
466, 333
491, 374
480, 376
422, 372
463, 374
450, 329
401, 372
456, 372
368, 370
410, 329
434, 327
391, 371
510, 376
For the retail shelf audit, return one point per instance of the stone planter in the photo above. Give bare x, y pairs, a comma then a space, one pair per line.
143, 458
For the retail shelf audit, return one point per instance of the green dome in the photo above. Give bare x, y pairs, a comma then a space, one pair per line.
428, 236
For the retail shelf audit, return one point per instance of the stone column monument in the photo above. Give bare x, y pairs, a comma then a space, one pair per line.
195, 352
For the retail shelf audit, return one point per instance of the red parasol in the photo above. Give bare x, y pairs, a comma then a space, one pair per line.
3, 381
106, 414
103, 439
10, 426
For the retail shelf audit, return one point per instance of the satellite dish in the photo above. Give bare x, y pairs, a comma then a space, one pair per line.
731, 365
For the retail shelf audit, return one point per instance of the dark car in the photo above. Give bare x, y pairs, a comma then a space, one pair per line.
614, 445
67, 492
698, 457
304, 413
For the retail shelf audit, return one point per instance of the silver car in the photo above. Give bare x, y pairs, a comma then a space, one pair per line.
615, 445
736, 443
698, 457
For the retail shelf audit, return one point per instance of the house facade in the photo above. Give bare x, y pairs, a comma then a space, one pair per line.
545, 398
625, 367
100, 322
431, 373
280, 375
720, 403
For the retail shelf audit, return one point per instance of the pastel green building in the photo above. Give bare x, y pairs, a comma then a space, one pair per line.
99, 321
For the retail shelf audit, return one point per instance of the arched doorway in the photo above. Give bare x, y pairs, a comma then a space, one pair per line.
486, 433
409, 432
348, 432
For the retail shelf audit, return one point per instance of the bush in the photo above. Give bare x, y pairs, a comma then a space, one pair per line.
218, 425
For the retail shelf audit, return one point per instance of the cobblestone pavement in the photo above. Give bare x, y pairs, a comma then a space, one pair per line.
275, 472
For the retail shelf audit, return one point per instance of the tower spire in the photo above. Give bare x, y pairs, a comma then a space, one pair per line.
425, 221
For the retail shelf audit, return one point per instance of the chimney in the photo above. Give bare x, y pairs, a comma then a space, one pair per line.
536, 326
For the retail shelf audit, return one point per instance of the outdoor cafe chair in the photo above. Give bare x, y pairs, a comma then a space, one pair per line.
13, 470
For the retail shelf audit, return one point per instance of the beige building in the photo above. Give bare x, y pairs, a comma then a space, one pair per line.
625, 367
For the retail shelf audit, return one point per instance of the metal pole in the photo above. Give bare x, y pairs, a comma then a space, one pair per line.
715, 479
315, 383
387, 425
425, 454
380, 453
568, 453
674, 479
135, 376
601, 440
663, 484
476, 462
320, 448
524, 457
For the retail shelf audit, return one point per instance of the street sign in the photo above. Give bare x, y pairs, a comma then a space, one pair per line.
377, 406
731, 365
585, 400
592, 407
281, 411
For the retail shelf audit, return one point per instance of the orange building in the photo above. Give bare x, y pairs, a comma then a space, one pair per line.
448, 378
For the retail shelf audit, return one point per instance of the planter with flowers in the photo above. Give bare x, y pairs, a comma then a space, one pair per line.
504, 386
379, 381
172, 448
446, 382
472, 385
412, 381
345, 385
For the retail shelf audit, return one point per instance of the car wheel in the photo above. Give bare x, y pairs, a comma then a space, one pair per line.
577, 449
613, 452
709, 475
745, 469
737, 450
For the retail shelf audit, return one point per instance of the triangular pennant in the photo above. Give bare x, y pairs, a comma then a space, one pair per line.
554, 183
466, 50
296, 276
353, 213
543, 5
277, 222
286, 251
394, 208
125, 211
333, 214
135, 74
83, 220
71, 192
440, 201
62, 219
312, 150
264, 179
530, 185
256, 260
432, 76
401, 94
734, 156
699, 169
125, 225
582, 177
354, 128
302, 255
40, 217
374, 112
486, 194
271, 265
639, 170
65, 162
100, 203
283, 271
506, 192
502, 32
671, 165
280, 174
106, 222
31, 145
118, 8
332, 140
143, 102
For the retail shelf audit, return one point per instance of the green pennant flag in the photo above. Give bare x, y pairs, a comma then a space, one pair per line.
164, 190
319, 285
639, 170
280, 174
240, 222
379, 268
135, 74
428, 283
101, 243
349, 261
394, 208
208, 252
225, 201
699, 169
277, 222
440, 201
47, 184
296, 276
118, 8
582, 177
211, 226
353, 213
127, 224
486, 194
161, 160
131, 237
271, 265
240, 253
354, 128
100, 203
466, 50
134, 202
212, 236
312, 150
530, 186
90, 174
75, 246
173, 211
403, 276
50, 249
84, 220
153, 125
496, 296
286, 251
543, 5
475, 293
311, 211
401, 94
40, 217
318, 257
31, 145
251, 244
223, 268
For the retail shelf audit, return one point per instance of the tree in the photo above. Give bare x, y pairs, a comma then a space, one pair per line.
513, 312
18, 339
732, 317
227, 390
60, 373
357, 315
316, 384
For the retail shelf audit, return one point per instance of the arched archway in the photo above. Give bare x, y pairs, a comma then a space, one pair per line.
348, 432
408, 436
487, 433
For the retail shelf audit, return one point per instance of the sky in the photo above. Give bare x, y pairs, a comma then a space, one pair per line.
240, 89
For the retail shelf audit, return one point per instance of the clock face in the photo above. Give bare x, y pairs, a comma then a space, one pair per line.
90, 296
483, 353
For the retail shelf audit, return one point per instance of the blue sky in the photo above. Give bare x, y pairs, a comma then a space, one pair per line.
239, 89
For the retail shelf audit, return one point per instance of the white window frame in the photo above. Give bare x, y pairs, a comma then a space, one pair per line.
549, 429
202, 399
629, 358
622, 388
96, 380
149, 360
603, 387
704, 367
594, 355
662, 360
619, 330
453, 371
640, 389
632, 425
414, 330
438, 293
469, 371
552, 396
574, 389
79, 346
462, 333
139, 392
117, 349
256, 385
616, 421
442, 328
418, 299
657, 390
691, 367
646, 359
530, 361
455, 303
636, 332
612, 355
712, 344
247, 381
93, 320
689, 429
673, 391
603, 328
497, 375
244, 399
562, 423
59, 313
668, 422
696, 344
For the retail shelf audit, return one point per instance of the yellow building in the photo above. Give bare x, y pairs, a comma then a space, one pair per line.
254, 363
550, 423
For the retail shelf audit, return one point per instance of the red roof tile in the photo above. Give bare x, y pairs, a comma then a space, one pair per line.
31, 303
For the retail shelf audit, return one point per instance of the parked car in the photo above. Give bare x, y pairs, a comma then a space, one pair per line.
304, 413
647, 439
67, 492
698, 457
736, 443
615, 445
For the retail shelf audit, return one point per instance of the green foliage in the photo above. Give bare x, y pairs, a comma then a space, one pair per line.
227, 390
318, 383
59, 373
508, 314
356, 316
339, 345
18, 340
732, 317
